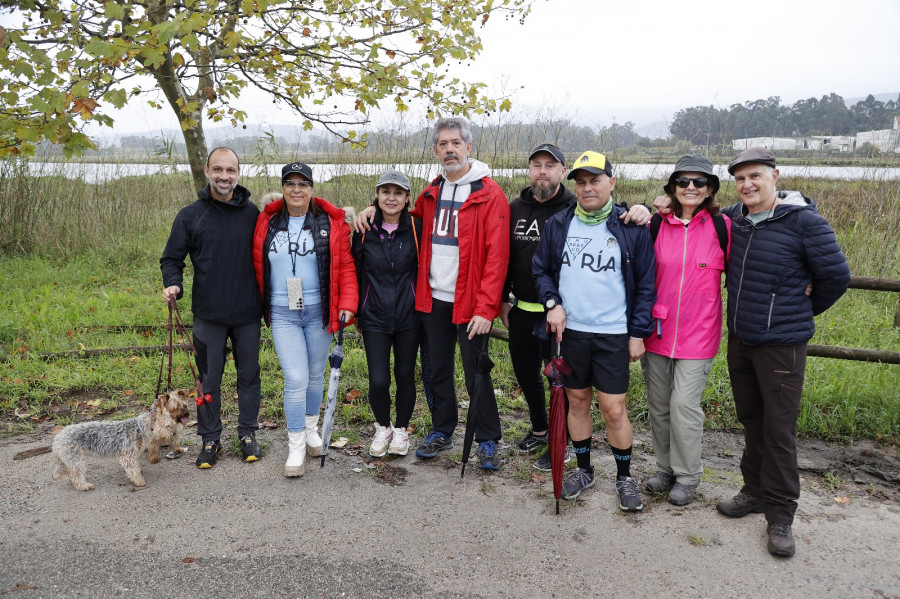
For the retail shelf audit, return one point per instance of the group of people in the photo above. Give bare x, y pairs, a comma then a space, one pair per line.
569, 274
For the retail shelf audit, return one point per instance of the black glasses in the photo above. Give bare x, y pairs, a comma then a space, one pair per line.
699, 182
305, 184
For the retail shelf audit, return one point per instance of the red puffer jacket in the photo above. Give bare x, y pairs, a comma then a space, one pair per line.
336, 268
483, 250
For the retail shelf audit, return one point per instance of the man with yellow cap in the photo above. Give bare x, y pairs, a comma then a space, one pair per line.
595, 276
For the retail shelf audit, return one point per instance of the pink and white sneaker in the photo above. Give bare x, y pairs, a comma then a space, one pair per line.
400, 442
379, 446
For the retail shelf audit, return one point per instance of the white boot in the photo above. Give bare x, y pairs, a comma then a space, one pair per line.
295, 464
313, 440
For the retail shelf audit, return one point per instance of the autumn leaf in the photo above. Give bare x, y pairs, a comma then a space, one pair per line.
390, 53
85, 107
94, 403
128, 392
842, 500
210, 93
352, 395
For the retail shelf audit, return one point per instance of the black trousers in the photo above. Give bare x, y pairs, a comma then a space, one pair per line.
378, 357
442, 336
209, 341
767, 382
528, 355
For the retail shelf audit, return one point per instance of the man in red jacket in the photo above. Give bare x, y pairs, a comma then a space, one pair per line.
462, 268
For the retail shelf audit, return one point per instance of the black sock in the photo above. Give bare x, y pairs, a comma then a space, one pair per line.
583, 454
623, 461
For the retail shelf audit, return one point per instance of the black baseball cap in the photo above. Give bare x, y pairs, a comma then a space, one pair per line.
296, 167
550, 149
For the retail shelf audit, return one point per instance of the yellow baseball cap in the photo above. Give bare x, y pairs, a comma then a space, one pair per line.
592, 162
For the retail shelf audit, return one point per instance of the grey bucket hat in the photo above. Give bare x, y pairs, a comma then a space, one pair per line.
393, 177
692, 163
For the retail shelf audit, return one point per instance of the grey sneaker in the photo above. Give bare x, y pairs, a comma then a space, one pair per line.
781, 540
629, 498
577, 481
740, 505
660, 482
543, 462
682, 494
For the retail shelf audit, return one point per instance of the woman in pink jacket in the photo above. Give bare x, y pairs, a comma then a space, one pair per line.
691, 245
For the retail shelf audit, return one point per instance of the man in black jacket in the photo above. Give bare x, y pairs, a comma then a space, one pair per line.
217, 232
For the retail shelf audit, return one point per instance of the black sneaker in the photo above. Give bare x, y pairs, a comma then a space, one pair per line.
577, 481
532, 442
249, 448
487, 456
543, 462
209, 455
432, 444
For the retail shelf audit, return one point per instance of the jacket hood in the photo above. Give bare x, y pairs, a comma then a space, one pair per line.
330, 209
239, 198
478, 170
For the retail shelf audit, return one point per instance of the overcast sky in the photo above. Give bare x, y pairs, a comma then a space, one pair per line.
642, 60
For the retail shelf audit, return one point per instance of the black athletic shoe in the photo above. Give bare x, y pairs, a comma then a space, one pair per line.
249, 448
209, 455
543, 462
532, 442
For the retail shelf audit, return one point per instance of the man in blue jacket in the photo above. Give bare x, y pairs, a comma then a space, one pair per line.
217, 232
785, 267
595, 276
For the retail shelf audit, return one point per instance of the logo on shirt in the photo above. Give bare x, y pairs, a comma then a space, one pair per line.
575, 247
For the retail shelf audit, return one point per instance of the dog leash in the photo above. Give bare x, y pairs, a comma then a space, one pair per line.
176, 323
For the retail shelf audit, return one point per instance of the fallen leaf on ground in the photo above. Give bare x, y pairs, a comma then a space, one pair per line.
339, 442
842, 500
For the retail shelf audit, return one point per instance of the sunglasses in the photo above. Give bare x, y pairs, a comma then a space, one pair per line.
305, 184
699, 182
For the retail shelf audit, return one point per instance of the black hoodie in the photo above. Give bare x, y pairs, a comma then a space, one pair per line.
218, 236
527, 219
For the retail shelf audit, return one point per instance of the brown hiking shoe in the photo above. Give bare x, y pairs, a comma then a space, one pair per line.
781, 540
740, 505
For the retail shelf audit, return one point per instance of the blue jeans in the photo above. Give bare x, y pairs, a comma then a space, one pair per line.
302, 343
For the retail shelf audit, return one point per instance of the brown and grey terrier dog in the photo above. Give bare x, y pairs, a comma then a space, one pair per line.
123, 439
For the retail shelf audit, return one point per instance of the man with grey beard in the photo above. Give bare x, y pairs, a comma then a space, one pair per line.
521, 311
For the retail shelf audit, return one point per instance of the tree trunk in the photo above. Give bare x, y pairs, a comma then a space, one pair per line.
195, 142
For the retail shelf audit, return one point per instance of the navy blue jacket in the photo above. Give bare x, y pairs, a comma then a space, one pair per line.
638, 258
771, 265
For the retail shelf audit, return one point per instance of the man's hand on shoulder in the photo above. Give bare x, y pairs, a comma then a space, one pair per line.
663, 205
363, 220
637, 214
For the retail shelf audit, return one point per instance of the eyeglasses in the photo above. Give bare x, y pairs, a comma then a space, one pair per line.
699, 182
305, 184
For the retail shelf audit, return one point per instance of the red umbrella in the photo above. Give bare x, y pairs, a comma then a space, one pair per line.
556, 369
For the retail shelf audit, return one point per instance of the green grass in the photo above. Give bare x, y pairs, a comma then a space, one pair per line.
82, 270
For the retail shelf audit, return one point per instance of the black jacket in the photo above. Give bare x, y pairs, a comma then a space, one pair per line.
386, 269
527, 220
218, 237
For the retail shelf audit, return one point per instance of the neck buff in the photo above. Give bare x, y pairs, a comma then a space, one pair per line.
593, 218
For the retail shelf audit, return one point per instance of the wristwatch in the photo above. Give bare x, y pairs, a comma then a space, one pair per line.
550, 304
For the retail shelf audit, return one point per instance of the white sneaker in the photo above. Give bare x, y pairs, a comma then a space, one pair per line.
379, 446
400, 442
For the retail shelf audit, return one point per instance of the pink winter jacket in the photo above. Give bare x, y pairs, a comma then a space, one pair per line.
688, 310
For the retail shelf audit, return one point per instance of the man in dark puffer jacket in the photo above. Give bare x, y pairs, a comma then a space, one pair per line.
785, 267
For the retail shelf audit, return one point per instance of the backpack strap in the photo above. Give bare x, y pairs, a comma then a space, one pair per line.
722, 233
655, 223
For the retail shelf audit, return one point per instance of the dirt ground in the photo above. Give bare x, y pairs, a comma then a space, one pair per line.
405, 527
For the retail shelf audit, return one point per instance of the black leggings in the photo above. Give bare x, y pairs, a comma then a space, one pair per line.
378, 355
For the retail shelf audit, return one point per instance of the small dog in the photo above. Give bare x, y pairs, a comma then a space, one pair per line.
123, 439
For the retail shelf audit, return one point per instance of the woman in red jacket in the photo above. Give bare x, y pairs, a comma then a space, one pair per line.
301, 254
